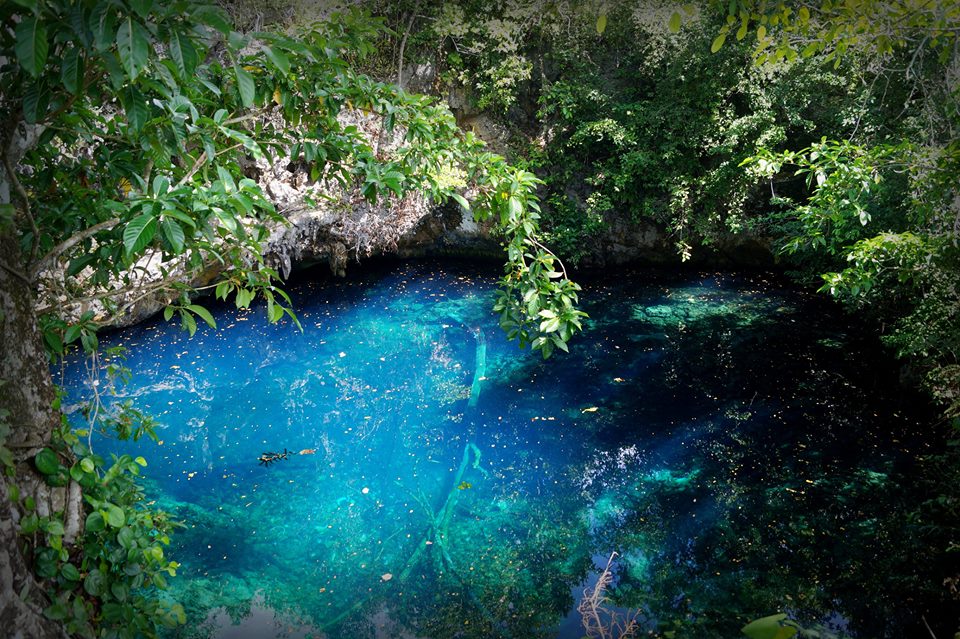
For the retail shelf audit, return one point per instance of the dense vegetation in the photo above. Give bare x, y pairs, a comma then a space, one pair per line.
829, 134
124, 147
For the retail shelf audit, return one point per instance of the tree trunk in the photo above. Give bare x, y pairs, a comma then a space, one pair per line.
26, 391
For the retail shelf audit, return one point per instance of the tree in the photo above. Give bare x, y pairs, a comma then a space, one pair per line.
899, 262
127, 126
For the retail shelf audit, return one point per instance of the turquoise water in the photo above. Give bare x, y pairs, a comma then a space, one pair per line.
731, 438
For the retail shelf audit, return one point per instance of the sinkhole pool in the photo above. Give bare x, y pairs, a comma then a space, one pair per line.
735, 441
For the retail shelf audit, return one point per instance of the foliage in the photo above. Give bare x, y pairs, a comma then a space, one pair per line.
131, 126
102, 587
784, 31
102, 584
885, 207
630, 123
158, 172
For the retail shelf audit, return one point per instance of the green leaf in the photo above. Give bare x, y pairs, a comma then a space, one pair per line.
142, 7
141, 461
139, 232
71, 71
119, 590
515, 207
204, 314
174, 234
718, 42
133, 45
114, 515
675, 22
87, 465
462, 201
126, 537
72, 333
36, 98
32, 46
278, 59
772, 627
135, 105
54, 341
55, 527
94, 583
102, 21
183, 54
212, 17
188, 323
70, 572
47, 462
94, 522
602, 23
245, 86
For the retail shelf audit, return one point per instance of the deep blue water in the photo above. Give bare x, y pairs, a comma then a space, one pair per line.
737, 442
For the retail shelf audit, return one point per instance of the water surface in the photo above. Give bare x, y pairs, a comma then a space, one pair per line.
735, 441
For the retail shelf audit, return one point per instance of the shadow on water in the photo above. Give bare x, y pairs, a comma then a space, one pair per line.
732, 439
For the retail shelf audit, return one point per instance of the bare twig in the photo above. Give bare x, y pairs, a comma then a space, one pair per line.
599, 622
403, 43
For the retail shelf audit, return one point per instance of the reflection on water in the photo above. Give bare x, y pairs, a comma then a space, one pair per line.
723, 434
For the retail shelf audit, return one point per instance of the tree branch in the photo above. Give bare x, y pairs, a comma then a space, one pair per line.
403, 43
16, 273
193, 169
15, 181
70, 242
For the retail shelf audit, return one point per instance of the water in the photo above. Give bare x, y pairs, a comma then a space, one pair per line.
731, 438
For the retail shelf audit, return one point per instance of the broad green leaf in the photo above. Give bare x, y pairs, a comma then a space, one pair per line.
94, 583
139, 232
114, 515
514, 207
32, 46
133, 46
675, 22
70, 572
54, 341
278, 59
183, 54
102, 24
71, 71
174, 234
204, 314
213, 17
245, 85
188, 323
36, 98
47, 462
142, 7
136, 107
87, 465
161, 184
